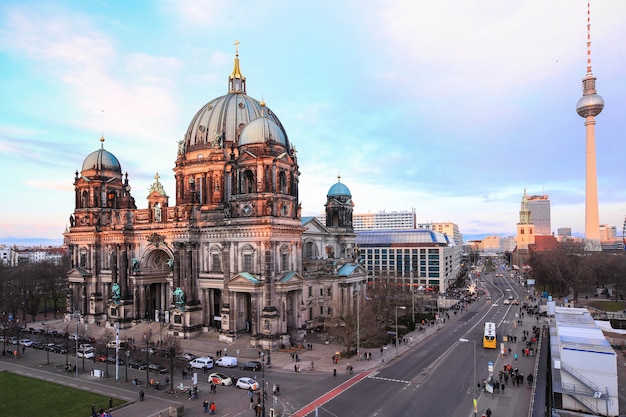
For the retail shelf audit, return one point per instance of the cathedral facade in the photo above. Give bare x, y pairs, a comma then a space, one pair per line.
229, 253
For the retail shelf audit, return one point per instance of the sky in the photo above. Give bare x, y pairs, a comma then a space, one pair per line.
449, 108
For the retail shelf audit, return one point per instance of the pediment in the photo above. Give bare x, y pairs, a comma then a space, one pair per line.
315, 226
78, 273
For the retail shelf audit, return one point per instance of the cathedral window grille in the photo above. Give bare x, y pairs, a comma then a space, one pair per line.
247, 262
84, 199
284, 261
215, 263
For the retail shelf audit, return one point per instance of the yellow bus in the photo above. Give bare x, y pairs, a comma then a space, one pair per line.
489, 338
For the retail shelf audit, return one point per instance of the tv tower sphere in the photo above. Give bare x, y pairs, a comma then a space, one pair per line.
589, 105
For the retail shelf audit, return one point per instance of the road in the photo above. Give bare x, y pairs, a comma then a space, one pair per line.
434, 379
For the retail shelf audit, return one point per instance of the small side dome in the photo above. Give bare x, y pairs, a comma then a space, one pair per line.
339, 190
263, 130
102, 160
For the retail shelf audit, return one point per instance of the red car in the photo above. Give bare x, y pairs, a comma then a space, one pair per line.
101, 358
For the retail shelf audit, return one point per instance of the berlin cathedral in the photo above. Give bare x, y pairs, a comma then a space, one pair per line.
233, 254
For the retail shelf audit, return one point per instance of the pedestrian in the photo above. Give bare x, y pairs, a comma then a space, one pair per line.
334, 371
502, 387
488, 412
141, 394
205, 406
251, 403
110, 403
93, 410
212, 406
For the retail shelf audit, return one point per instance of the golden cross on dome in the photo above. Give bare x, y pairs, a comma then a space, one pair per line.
237, 47
157, 176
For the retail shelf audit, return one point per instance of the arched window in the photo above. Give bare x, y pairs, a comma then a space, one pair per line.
248, 186
282, 182
310, 250
111, 199
215, 259
247, 259
284, 258
84, 199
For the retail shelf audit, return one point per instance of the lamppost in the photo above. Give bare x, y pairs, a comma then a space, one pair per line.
126, 363
358, 322
474, 384
77, 317
46, 338
263, 382
397, 334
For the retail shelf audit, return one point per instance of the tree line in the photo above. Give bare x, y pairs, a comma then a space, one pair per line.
30, 289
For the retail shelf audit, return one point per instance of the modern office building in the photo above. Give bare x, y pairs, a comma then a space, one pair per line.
380, 221
420, 257
539, 206
447, 228
608, 233
564, 231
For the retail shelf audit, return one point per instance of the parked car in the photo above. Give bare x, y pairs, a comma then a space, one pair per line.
157, 368
187, 356
138, 365
112, 344
101, 358
26, 342
13, 340
200, 363
111, 359
227, 362
247, 383
252, 366
219, 378
86, 353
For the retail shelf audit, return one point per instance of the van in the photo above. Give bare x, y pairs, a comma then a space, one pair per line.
227, 362
200, 363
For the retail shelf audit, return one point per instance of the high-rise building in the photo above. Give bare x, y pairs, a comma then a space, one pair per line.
564, 231
539, 206
589, 106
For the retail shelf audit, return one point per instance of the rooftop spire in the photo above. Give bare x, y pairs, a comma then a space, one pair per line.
236, 80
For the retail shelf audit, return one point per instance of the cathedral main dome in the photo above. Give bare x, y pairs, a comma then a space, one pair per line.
220, 122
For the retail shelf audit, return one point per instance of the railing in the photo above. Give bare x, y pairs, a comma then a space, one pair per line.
536, 373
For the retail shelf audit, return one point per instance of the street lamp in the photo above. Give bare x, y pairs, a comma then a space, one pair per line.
358, 322
397, 334
77, 317
475, 400
263, 382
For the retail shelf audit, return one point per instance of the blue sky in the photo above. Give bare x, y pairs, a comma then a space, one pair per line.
452, 108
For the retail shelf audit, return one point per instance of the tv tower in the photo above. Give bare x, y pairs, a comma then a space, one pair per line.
589, 106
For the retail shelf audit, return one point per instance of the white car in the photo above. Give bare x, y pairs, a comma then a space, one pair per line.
86, 353
219, 378
247, 383
506, 302
200, 363
26, 342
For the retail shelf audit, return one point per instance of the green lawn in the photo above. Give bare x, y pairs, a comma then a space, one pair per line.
609, 306
27, 397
